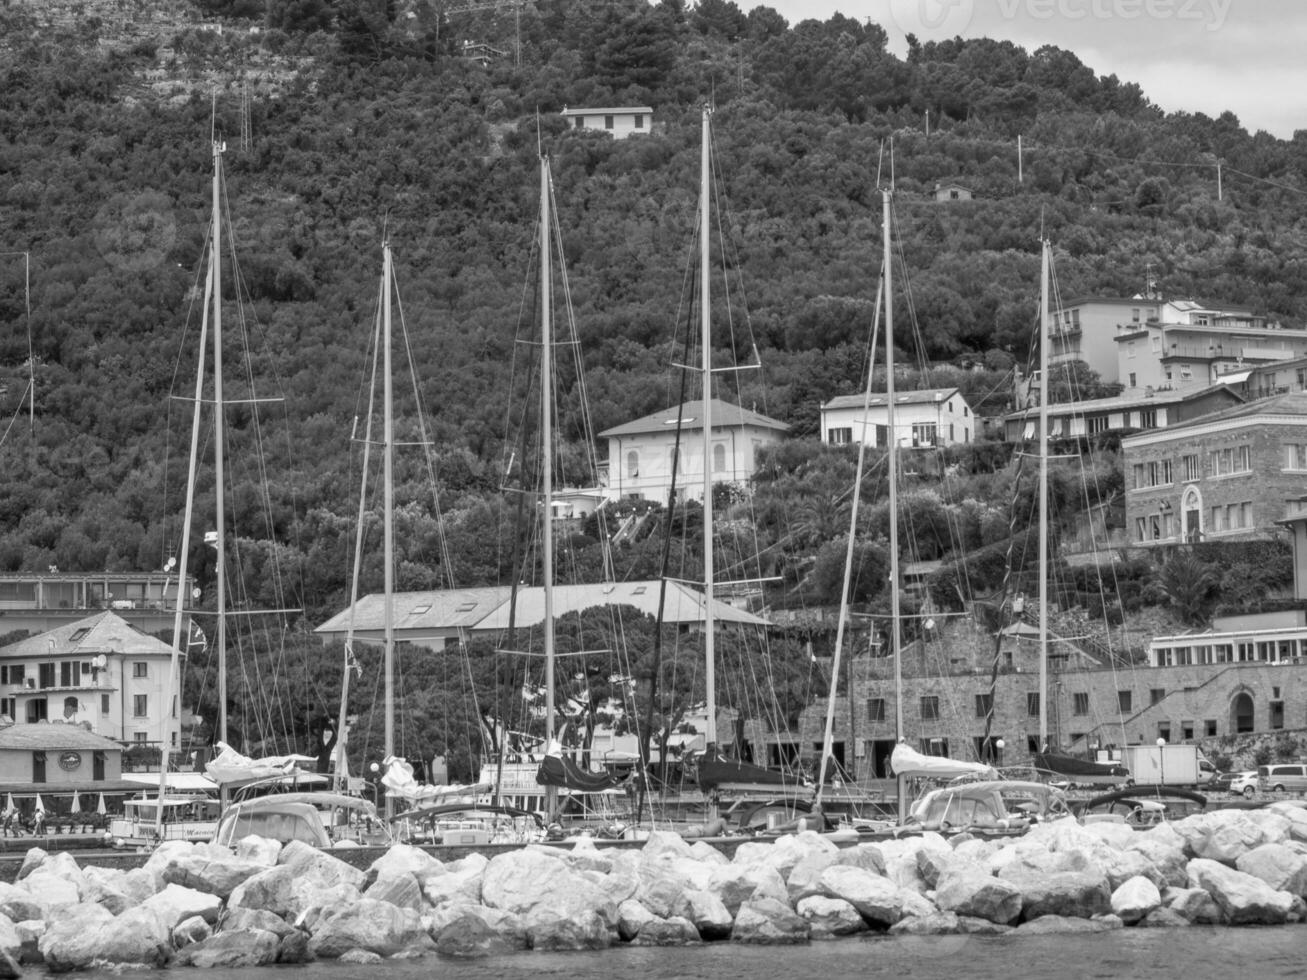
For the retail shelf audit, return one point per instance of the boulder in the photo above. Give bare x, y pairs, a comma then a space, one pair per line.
661, 842
102, 892
235, 919
768, 921
1122, 865
294, 947
675, 931
1244, 900
828, 918
469, 936
190, 931
711, 918
803, 877
138, 936
1047, 925
969, 891
51, 890
583, 855
453, 887
70, 942
1226, 835
1279, 865
205, 872
316, 865
523, 881
934, 924
1163, 918
658, 893
258, 850
33, 859
11, 939
632, 916
1294, 816
704, 852
368, 924
1195, 904
400, 890
1134, 899
400, 859
785, 852
18, 903
877, 899
734, 884
234, 948
175, 903
548, 930
1069, 893
288, 892
1164, 850
361, 957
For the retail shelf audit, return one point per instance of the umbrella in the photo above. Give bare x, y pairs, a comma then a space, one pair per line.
100, 808
77, 804
40, 806
9, 801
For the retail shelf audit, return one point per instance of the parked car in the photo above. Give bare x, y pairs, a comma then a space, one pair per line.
1244, 783
1219, 782
1291, 777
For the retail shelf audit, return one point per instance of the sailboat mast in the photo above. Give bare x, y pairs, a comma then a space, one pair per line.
219, 441
547, 469
892, 474
1043, 497
705, 316
388, 526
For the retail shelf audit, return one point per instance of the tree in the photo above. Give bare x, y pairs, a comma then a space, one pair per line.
1190, 586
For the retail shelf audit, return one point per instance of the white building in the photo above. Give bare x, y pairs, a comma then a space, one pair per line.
641, 453
922, 419
102, 671
619, 122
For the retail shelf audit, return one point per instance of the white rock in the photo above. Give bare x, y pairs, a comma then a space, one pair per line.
970, 891
1135, 898
1244, 900
877, 899
176, 903
710, 917
378, 927
1279, 865
830, 917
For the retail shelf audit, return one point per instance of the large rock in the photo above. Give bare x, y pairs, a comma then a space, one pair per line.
1244, 900
710, 917
527, 880
378, 927
1294, 816
454, 887
1046, 890
675, 931
235, 919
1196, 905
18, 903
1135, 898
735, 884
190, 931
828, 918
970, 891
1164, 850
660, 842
1122, 865
232, 949
80, 938
71, 941
317, 865
877, 899
400, 890
785, 852
469, 936
548, 930
402, 859
1052, 925
1281, 866
935, 923
1226, 835
288, 891
175, 903
51, 890
632, 916
768, 921
206, 871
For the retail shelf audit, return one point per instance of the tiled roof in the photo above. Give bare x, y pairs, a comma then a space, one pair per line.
724, 416
105, 632
54, 736
880, 400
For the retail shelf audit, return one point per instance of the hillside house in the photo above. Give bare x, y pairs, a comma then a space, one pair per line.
952, 192
641, 453
1234, 474
922, 419
1121, 413
619, 122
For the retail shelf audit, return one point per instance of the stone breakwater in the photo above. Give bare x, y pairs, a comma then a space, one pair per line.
261, 903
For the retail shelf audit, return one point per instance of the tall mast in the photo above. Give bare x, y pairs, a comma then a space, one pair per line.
547, 469
705, 316
388, 526
1043, 497
892, 476
218, 444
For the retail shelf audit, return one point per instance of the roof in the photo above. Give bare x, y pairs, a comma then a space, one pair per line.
1290, 403
881, 399
683, 604
606, 110
1174, 396
448, 609
104, 632
724, 415
54, 735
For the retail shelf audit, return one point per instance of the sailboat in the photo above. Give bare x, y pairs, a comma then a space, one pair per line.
1058, 765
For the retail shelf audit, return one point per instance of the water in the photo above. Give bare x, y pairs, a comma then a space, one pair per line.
1196, 953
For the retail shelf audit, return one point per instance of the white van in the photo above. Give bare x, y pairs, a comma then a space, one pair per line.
1290, 777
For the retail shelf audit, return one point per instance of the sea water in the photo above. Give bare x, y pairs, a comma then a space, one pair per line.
1194, 953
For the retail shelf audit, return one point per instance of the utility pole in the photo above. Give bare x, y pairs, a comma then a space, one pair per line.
1021, 176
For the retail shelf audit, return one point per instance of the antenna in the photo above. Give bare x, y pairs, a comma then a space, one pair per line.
247, 128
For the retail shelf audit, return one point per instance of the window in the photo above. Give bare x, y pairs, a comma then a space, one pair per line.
950, 432
1156, 694
984, 705
580, 122
1148, 418
1189, 463
929, 708
97, 766
12, 674
1134, 315
1164, 730
9, 707
632, 464
140, 668
1080, 703
1032, 704
1277, 714
104, 705
140, 736
840, 437
987, 749
1134, 382
923, 434
1237, 459
719, 458
935, 746
67, 674
965, 411
1097, 424
38, 767
1209, 728
1295, 456
45, 675
1129, 348
140, 705
1124, 700
608, 122
639, 120
37, 710
1186, 372
882, 436
875, 709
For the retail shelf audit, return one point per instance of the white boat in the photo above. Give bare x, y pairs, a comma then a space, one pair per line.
184, 817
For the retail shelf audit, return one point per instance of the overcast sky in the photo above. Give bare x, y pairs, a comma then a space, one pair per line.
1194, 55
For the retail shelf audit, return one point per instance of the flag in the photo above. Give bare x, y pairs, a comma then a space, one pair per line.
197, 638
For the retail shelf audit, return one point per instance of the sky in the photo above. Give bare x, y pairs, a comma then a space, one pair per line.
1205, 56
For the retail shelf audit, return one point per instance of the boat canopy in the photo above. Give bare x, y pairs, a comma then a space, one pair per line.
229, 766
400, 784
910, 763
